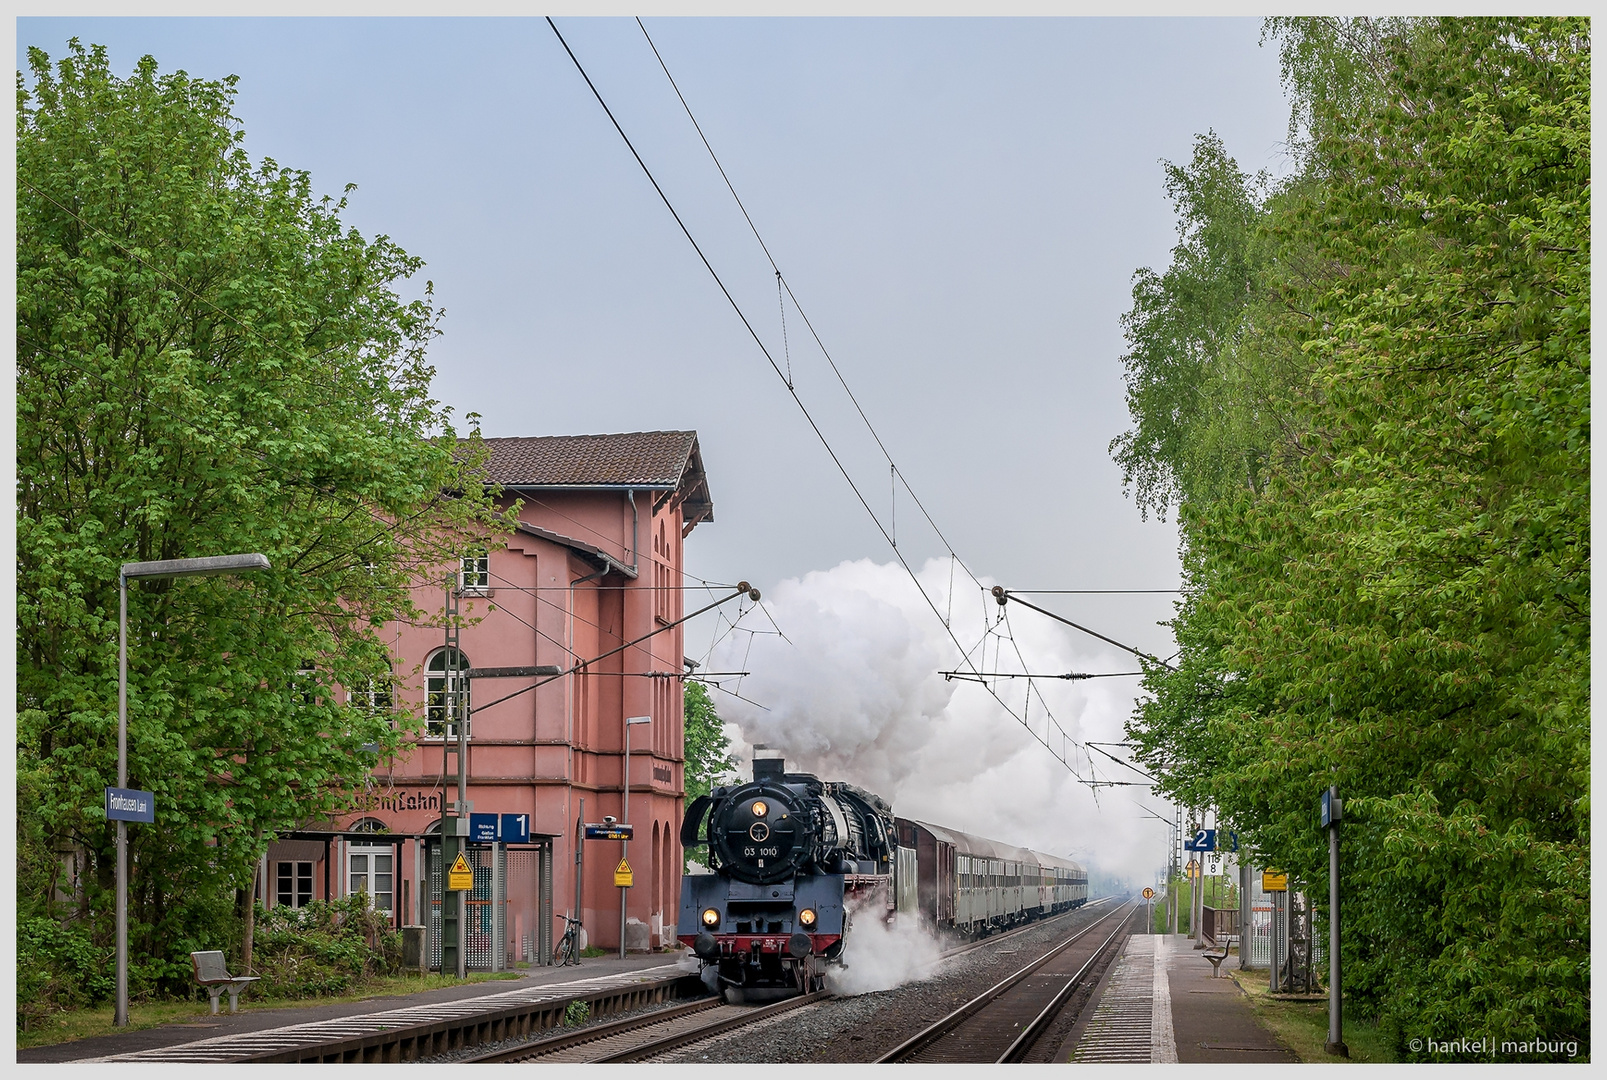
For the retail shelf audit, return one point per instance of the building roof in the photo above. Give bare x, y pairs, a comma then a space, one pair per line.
645, 460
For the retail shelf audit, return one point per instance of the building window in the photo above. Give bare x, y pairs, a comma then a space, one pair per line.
369, 871
447, 694
304, 684
475, 574
372, 695
294, 884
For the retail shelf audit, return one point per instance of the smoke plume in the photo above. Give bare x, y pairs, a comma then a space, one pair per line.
880, 957
854, 693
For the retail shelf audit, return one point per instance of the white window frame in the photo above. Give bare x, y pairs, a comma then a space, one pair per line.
296, 898
437, 680
474, 573
374, 695
368, 853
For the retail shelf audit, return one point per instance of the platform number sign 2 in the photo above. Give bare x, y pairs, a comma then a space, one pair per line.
1203, 840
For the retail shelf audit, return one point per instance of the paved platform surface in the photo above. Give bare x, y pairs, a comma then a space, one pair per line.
207, 1027
1159, 1003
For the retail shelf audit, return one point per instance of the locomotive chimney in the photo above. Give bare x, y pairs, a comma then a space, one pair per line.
768, 763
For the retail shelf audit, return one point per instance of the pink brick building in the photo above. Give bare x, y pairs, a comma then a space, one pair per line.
596, 562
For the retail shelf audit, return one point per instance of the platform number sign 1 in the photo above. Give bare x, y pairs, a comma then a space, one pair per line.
516, 828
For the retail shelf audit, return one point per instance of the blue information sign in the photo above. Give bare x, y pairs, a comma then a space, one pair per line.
516, 828
124, 804
482, 828
1202, 840
1332, 807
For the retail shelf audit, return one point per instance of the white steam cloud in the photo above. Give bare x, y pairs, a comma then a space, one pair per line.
854, 694
879, 956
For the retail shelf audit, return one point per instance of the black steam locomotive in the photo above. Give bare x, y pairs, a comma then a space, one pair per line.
794, 858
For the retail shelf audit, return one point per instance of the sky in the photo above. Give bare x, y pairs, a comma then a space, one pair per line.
958, 205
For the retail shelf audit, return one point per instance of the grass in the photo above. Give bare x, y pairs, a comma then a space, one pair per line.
88, 1023
1303, 1025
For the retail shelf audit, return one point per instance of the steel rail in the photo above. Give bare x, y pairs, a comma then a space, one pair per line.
588, 1034
931, 1034
1005, 935
546, 1047
1017, 1050
673, 1042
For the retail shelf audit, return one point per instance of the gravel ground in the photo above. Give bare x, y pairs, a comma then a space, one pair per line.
864, 1028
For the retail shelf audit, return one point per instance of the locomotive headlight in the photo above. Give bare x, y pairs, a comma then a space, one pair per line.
711, 917
807, 916
760, 809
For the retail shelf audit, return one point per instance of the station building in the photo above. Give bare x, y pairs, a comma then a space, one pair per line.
595, 562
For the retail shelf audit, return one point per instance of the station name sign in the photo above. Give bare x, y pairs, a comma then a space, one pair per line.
125, 804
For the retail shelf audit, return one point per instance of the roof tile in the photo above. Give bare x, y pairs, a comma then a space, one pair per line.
649, 459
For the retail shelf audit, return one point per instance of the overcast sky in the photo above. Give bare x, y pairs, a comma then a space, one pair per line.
959, 205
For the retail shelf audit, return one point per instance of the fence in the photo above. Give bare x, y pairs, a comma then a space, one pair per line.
508, 913
1283, 921
1218, 923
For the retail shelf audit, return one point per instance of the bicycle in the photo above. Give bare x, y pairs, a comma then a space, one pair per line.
569, 945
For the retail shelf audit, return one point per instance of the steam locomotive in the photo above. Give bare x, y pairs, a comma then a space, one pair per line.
795, 859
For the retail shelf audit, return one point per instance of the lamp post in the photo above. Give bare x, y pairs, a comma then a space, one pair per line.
625, 816
210, 566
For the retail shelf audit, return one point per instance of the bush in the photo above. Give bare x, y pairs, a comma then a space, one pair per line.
325, 948
59, 967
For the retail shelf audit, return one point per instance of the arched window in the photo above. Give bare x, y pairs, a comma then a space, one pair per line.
447, 694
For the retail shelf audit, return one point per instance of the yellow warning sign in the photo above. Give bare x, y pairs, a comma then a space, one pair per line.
1274, 881
622, 874
1193, 869
459, 877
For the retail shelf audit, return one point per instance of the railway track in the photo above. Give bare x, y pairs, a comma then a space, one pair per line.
415, 1032
665, 1030
424, 1031
1005, 1022
645, 1036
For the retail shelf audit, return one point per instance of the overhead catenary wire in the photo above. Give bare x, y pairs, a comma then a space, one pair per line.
581, 665
1090, 592
1073, 675
896, 475
792, 390
798, 305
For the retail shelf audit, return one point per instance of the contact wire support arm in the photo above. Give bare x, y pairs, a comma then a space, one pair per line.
744, 590
1004, 595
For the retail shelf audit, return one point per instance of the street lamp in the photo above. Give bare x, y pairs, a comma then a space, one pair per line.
625, 814
211, 566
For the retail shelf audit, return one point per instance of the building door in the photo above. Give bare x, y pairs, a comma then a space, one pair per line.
371, 870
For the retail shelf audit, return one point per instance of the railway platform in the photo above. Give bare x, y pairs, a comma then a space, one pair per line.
1159, 1003
237, 1036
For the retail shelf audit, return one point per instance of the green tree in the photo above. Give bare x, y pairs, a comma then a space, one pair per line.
1402, 606
706, 750
208, 362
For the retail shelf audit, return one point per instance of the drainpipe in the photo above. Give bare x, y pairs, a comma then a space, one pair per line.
569, 717
630, 495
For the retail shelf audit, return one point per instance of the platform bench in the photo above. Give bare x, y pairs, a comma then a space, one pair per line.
212, 973
1216, 961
